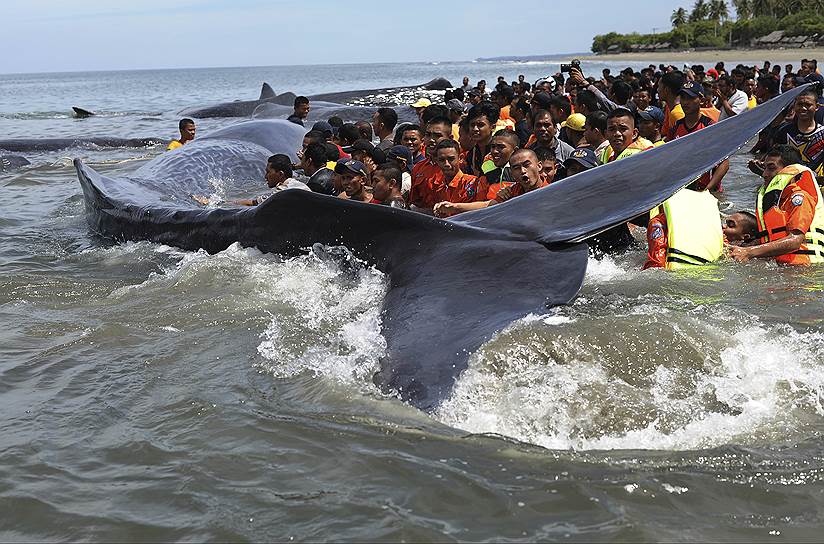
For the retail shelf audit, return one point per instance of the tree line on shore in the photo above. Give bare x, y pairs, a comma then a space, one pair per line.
709, 25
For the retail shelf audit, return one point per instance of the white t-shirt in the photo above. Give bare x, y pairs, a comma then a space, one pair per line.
738, 102
290, 183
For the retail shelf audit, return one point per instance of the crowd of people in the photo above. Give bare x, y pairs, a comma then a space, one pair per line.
484, 146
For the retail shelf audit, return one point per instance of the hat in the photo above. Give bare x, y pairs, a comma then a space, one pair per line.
400, 152
422, 103
693, 89
542, 99
713, 72
583, 156
359, 145
323, 126
350, 166
456, 105
652, 114
575, 122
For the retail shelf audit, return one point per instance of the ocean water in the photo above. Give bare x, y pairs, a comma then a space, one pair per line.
151, 393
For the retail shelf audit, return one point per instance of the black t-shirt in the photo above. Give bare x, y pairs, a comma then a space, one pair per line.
295, 119
809, 144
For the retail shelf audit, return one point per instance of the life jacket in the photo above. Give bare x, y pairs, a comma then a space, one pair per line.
694, 235
772, 221
640, 144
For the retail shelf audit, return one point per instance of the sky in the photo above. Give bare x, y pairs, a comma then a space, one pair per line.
79, 35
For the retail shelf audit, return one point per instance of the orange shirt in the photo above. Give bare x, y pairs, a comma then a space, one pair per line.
515, 190
712, 113
657, 242
428, 185
466, 188
799, 205
672, 116
505, 113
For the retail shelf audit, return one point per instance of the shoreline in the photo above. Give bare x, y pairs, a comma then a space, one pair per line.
727, 55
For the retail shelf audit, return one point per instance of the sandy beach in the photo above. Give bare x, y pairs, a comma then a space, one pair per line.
731, 55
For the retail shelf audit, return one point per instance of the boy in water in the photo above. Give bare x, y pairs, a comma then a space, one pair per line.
187, 134
740, 228
386, 186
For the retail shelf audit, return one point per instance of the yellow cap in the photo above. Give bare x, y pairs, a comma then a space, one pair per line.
422, 103
575, 122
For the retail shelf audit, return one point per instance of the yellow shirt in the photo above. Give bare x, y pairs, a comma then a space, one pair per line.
672, 116
174, 144
752, 103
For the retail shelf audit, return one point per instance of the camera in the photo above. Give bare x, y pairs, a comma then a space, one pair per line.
575, 63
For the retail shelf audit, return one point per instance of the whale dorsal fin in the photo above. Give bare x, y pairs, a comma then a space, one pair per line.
266, 91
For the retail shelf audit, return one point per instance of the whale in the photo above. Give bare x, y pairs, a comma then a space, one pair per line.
322, 110
81, 113
238, 108
268, 96
12, 162
452, 284
22, 145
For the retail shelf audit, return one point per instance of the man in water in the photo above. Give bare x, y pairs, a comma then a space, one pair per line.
386, 186
412, 137
546, 136
789, 212
300, 112
690, 97
428, 182
526, 174
623, 137
729, 99
314, 163
383, 125
278, 177
740, 229
353, 180
650, 121
459, 188
804, 133
187, 134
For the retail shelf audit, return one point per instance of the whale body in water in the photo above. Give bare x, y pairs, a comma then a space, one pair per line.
452, 284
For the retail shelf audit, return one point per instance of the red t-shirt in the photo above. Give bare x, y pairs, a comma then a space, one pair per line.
514, 190
679, 130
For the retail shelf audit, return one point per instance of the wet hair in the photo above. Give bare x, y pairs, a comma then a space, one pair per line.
434, 111
621, 91
788, 154
316, 153
336, 121
563, 104
184, 123
485, 109
544, 153
587, 99
448, 144
281, 163
300, 101
808, 92
348, 133
365, 130
673, 81
508, 135
388, 117
391, 172
751, 225
507, 92
440, 120
598, 120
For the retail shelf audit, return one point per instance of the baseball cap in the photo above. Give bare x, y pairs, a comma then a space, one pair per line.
323, 126
422, 103
575, 122
542, 99
350, 166
456, 105
652, 114
359, 145
400, 152
583, 156
692, 88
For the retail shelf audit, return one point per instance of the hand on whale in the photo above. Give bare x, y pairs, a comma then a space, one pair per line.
433, 318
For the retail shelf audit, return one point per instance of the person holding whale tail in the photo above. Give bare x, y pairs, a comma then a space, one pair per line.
789, 211
187, 134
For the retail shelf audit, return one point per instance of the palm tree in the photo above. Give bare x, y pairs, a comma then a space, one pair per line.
718, 10
743, 9
762, 8
679, 17
699, 11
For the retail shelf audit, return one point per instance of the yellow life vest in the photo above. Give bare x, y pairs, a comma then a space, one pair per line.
694, 235
174, 144
772, 222
640, 144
